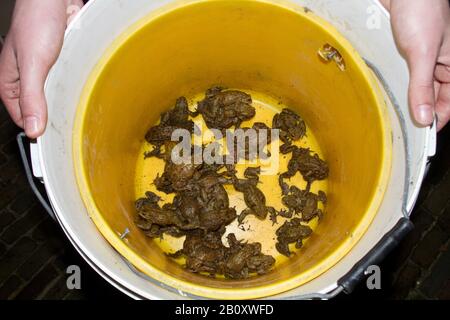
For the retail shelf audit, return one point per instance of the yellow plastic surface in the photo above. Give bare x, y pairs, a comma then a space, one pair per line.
266, 47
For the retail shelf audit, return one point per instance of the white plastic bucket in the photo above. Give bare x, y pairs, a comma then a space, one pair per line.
100, 23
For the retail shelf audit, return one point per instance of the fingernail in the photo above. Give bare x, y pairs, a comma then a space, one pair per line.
424, 114
31, 126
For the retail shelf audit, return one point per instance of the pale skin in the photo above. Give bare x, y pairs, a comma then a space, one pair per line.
30, 49
422, 32
421, 29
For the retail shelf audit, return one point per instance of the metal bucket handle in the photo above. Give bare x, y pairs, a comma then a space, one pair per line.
30, 177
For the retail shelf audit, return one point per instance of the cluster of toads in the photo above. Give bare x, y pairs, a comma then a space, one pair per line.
201, 209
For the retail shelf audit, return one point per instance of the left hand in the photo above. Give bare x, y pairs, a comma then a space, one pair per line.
422, 32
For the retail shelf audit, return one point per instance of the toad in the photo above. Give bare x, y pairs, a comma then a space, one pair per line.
291, 126
250, 150
254, 198
291, 232
224, 109
246, 258
207, 253
176, 118
305, 203
311, 167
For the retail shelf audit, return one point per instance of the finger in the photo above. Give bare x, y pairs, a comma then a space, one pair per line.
11, 101
37, 46
442, 73
9, 83
443, 106
33, 72
421, 87
386, 4
79, 3
73, 9
437, 86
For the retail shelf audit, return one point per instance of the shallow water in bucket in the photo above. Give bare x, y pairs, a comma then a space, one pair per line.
252, 229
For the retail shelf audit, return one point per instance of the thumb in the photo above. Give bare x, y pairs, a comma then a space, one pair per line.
33, 105
421, 87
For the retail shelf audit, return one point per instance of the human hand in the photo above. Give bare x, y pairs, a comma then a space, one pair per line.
422, 32
30, 49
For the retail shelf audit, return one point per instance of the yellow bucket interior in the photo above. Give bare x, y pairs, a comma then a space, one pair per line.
269, 49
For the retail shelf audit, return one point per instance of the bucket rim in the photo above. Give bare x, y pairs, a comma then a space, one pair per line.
253, 292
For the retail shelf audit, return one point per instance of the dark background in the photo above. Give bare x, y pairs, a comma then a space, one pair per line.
34, 253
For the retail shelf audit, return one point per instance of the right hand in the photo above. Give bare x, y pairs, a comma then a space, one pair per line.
30, 49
